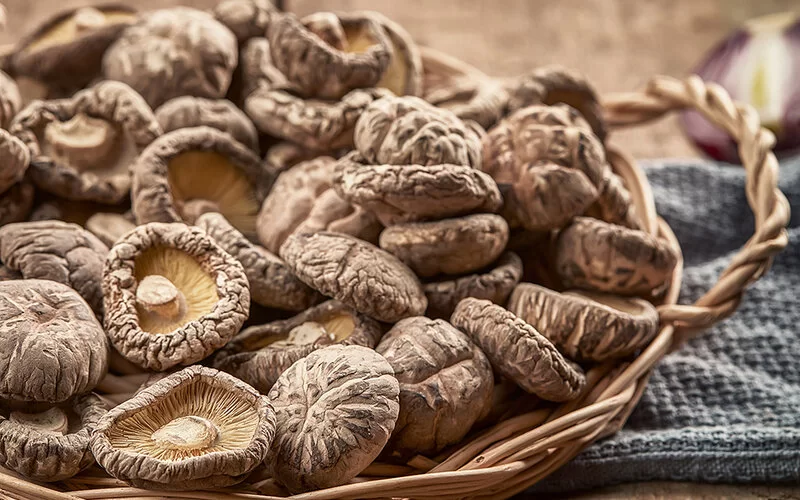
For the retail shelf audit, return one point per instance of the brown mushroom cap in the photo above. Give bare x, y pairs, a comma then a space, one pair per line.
245, 18
449, 246
596, 255
197, 428
221, 114
172, 296
43, 455
15, 158
357, 273
320, 70
174, 52
284, 155
409, 193
260, 354
518, 351
272, 283
408, 130
16, 203
331, 213
585, 325
445, 383
68, 48
57, 251
494, 284
59, 348
256, 70
82, 147
403, 76
10, 100
109, 227
336, 409
190, 171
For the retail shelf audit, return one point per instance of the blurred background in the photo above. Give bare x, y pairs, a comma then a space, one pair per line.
619, 44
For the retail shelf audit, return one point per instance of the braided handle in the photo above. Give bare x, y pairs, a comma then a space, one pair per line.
770, 207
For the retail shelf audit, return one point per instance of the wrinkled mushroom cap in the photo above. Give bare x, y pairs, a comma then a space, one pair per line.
336, 409
59, 348
256, 70
82, 147
10, 99
195, 429
190, 171
587, 326
260, 354
445, 383
51, 456
16, 203
448, 246
595, 255
245, 18
221, 114
359, 274
172, 296
408, 130
331, 213
272, 283
404, 74
284, 155
518, 351
15, 158
174, 52
57, 251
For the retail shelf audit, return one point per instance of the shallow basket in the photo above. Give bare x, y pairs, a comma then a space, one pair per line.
529, 444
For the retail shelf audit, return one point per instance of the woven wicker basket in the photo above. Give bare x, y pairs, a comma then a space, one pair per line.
529, 443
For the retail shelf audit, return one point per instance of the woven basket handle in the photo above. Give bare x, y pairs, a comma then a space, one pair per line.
770, 207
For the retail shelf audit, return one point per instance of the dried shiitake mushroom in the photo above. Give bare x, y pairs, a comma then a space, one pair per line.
67, 49
174, 52
256, 70
272, 283
221, 114
54, 346
587, 326
10, 100
197, 428
518, 351
284, 155
596, 255
190, 171
448, 246
260, 354
325, 66
172, 295
15, 158
409, 131
51, 445
404, 74
82, 147
336, 409
245, 18
109, 227
409, 193
331, 213
16, 203
357, 273
57, 251
494, 284
445, 380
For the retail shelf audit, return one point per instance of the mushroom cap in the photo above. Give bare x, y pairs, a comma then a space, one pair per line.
221, 114
409, 193
331, 213
284, 155
448, 246
260, 354
445, 381
45, 456
105, 179
10, 100
403, 76
357, 273
584, 325
319, 70
68, 48
16, 203
57, 251
312, 123
59, 348
15, 157
199, 164
212, 283
336, 409
595, 255
272, 283
109, 227
156, 439
173, 52
494, 284
245, 18
518, 351
256, 70
408, 130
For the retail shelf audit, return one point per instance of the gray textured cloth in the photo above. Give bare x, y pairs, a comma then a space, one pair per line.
726, 406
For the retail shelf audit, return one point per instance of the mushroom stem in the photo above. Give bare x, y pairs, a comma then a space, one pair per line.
187, 433
193, 209
156, 294
53, 420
